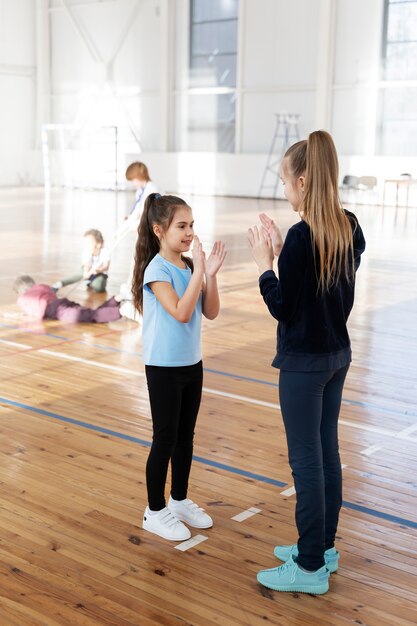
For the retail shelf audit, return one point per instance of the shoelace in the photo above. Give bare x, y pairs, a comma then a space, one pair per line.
284, 568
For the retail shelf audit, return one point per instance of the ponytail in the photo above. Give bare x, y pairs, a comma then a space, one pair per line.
321, 209
157, 210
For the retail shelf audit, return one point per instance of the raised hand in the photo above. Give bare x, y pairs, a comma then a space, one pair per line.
270, 229
216, 258
260, 245
199, 256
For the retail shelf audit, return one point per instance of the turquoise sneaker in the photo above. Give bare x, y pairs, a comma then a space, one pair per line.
331, 556
289, 577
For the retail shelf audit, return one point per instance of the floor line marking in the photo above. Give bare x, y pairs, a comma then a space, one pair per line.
370, 450
190, 543
77, 359
407, 431
288, 492
260, 381
241, 517
224, 394
14, 344
349, 505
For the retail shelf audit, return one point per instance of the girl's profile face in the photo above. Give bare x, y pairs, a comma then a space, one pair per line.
180, 234
293, 187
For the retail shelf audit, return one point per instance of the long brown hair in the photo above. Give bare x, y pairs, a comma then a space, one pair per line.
331, 230
157, 210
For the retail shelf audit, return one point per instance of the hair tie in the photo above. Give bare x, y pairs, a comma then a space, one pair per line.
157, 196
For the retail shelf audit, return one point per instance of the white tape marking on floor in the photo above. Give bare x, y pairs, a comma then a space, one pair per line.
77, 359
190, 543
288, 492
370, 450
233, 396
240, 517
403, 434
15, 344
343, 465
369, 428
122, 370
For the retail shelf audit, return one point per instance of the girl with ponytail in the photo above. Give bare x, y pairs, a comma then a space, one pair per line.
311, 297
172, 291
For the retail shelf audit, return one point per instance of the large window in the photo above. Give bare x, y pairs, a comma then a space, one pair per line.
206, 99
398, 95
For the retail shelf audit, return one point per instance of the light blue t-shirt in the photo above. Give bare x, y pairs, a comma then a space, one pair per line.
165, 341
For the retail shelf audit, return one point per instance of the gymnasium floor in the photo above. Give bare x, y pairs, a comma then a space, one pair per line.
75, 430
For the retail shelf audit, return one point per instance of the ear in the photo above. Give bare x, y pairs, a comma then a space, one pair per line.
157, 230
301, 182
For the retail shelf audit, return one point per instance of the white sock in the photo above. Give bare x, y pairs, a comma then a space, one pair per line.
57, 285
177, 501
150, 512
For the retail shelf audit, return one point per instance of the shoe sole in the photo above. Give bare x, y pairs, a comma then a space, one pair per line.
315, 589
332, 567
154, 532
193, 525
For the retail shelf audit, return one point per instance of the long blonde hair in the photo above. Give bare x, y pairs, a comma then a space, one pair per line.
331, 230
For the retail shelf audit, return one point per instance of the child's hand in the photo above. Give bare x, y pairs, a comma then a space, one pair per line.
270, 229
199, 256
261, 248
216, 258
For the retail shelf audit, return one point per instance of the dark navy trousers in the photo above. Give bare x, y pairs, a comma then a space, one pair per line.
310, 405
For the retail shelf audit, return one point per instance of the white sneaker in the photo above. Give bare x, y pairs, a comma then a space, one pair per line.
166, 525
190, 513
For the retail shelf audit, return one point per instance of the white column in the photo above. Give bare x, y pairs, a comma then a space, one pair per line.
166, 33
43, 78
325, 63
240, 92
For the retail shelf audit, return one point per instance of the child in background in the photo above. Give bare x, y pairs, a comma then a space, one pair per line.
41, 302
95, 264
172, 292
138, 174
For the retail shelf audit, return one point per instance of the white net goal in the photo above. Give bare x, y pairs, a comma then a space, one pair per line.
85, 158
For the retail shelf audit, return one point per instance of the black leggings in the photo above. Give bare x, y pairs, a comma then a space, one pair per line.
175, 396
310, 405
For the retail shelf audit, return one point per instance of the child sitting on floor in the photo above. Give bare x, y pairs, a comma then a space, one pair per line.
95, 264
41, 302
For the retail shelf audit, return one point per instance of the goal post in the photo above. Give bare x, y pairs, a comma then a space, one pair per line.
81, 157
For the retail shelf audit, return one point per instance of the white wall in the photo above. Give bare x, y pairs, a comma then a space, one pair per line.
114, 62
17, 91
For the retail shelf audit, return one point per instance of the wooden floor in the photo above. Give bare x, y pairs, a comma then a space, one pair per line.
75, 430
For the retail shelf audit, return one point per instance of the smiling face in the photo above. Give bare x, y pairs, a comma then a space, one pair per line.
293, 187
179, 235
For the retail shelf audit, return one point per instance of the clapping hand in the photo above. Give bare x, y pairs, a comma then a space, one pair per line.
261, 247
216, 258
199, 256
270, 229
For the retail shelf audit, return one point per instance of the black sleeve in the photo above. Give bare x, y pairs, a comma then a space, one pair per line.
359, 243
281, 296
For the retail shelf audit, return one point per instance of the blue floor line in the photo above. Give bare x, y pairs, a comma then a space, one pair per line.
234, 470
260, 381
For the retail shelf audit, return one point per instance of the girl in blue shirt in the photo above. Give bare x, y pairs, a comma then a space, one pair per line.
172, 291
311, 298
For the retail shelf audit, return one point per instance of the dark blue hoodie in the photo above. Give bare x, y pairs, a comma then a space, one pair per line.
312, 333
